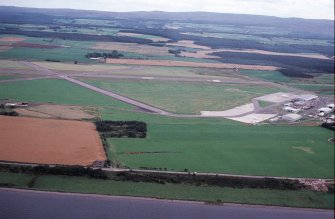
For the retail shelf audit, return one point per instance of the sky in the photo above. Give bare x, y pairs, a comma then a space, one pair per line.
310, 9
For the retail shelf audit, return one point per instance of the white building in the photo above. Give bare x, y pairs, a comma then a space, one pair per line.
292, 117
331, 106
307, 97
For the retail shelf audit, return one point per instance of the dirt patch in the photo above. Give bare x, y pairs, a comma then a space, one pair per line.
188, 43
206, 54
4, 48
155, 39
49, 141
189, 64
11, 39
305, 149
133, 47
198, 55
33, 45
55, 111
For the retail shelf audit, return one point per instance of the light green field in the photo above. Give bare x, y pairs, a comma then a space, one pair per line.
56, 91
136, 70
72, 53
219, 145
181, 97
300, 198
12, 65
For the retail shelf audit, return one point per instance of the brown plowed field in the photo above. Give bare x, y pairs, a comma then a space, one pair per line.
189, 64
11, 39
34, 45
49, 141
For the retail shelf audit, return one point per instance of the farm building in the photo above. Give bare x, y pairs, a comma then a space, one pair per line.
307, 97
331, 106
325, 110
292, 117
291, 109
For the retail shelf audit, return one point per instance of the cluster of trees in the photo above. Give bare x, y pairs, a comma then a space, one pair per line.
114, 55
130, 129
176, 52
7, 111
221, 181
330, 126
56, 170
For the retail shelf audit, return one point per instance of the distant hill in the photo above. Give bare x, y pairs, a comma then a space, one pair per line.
321, 28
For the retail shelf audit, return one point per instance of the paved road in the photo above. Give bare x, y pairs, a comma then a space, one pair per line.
118, 96
17, 204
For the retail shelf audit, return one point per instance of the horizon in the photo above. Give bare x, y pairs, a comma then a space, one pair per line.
323, 10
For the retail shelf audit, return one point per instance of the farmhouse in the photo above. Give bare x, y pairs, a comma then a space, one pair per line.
292, 117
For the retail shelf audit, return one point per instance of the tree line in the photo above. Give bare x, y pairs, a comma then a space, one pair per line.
114, 55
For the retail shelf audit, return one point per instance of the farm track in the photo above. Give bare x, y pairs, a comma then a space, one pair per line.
116, 170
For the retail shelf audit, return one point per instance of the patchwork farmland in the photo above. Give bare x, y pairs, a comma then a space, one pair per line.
222, 101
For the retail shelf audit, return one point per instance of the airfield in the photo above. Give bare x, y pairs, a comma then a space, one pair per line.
210, 110
185, 114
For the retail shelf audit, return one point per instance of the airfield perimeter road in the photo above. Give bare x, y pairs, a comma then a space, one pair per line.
144, 106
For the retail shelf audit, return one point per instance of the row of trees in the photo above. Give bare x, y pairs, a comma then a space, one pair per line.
330, 126
114, 55
130, 129
56, 170
221, 181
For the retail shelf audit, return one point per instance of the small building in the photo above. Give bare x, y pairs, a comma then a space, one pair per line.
288, 104
292, 117
307, 97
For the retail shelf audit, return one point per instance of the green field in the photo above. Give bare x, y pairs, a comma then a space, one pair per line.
181, 97
56, 91
300, 198
76, 50
317, 88
273, 76
219, 145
